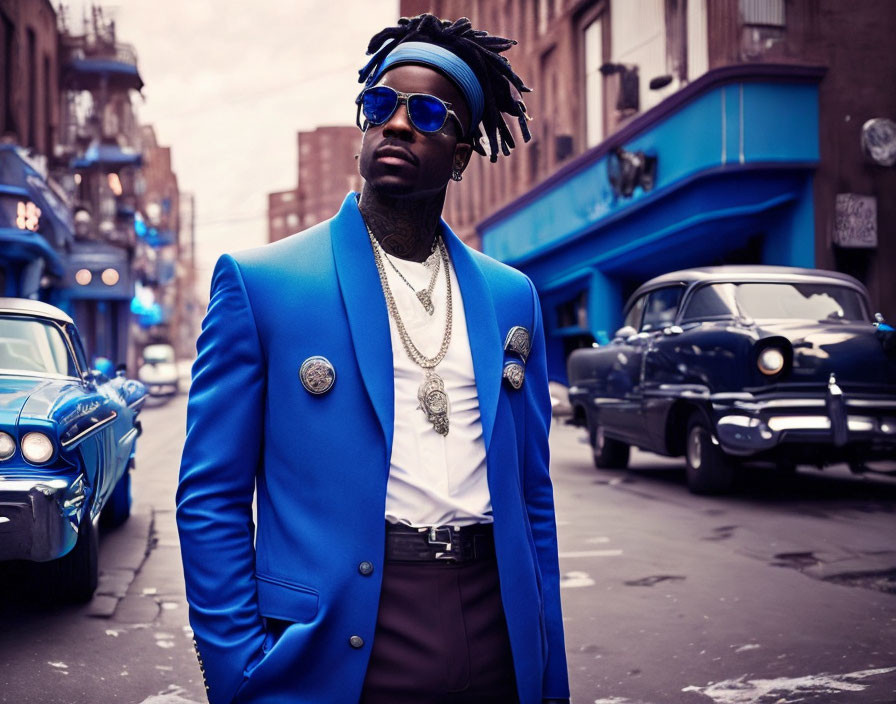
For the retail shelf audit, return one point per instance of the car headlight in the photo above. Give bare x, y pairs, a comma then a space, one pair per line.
7, 446
771, 361
37, 448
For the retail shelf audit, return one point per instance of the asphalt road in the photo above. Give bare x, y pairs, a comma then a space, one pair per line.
784, 592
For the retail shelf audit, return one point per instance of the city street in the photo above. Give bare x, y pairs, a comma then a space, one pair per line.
784, 592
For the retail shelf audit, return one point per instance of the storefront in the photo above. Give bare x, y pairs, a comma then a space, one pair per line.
719, 173
35, 229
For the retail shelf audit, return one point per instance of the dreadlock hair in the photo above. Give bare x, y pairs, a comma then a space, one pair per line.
482, 53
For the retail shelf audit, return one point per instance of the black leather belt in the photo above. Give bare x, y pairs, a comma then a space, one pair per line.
440, 543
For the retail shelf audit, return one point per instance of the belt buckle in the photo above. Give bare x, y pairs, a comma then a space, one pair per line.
432, 537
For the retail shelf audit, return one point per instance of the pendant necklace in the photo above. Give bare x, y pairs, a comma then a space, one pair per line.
431, 394
423, 295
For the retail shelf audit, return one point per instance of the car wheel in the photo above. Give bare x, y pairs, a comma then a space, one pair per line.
71, 578
709, 470
118, 509
608, 453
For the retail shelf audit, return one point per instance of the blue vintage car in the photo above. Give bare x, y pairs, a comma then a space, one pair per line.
67, 441
733, 363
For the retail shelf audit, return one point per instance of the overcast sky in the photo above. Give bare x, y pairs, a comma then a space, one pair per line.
228, 85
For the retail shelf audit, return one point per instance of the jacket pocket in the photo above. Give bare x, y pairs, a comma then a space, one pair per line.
285, 600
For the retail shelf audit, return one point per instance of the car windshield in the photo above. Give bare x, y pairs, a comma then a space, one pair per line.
155, 354
33, 345
776, 300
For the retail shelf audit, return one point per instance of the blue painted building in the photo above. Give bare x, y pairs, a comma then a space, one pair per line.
731, 156
35, 229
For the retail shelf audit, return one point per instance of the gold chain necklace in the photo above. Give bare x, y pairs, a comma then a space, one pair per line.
431, 394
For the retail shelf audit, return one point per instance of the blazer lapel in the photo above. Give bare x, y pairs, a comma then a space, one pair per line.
368, 317
482, 329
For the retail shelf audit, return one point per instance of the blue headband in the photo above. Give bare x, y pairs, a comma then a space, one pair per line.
447, 62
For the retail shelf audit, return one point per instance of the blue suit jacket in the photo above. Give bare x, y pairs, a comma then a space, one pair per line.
319, 465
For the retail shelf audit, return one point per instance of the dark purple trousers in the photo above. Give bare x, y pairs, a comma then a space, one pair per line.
441, 637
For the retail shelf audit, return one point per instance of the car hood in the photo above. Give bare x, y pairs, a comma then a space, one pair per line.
851, 351
34, 397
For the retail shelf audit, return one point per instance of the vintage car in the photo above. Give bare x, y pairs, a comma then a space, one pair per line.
67, 441
159, 370
724, 364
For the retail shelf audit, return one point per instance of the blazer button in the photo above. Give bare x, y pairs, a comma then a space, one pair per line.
356, 642
366, 568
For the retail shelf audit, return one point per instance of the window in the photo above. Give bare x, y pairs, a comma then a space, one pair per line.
711, 303
32, 87
7, 37
698, 45
594, 83
661, 307
762, 26
32, 345
573, 313
777, 300
633, 319
768, 13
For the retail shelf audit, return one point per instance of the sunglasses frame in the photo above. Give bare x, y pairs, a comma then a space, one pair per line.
402, 98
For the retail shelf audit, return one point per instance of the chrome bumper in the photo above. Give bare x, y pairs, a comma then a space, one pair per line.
39, 516
749, 426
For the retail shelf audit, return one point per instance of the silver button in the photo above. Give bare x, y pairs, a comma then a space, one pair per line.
356, 642
366, 568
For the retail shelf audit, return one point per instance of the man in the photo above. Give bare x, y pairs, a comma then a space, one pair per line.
383, 389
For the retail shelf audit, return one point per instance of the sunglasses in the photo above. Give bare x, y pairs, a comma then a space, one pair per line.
427, 113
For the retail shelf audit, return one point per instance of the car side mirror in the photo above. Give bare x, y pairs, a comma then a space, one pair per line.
624, 333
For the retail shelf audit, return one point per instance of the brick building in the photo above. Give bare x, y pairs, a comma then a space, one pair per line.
746, 114
283, 214
327, 171
29, 61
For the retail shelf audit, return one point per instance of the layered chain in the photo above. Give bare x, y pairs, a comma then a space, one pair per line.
423, 295
410, 348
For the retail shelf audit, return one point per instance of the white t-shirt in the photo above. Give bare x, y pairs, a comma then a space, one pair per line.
434, 479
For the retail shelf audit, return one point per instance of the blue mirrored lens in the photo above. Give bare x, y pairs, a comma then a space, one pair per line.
378, 104
427, 112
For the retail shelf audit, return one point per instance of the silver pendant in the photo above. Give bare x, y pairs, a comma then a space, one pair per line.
434, 401
425, 299
317, 375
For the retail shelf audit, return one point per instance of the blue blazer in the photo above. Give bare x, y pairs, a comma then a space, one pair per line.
319, 465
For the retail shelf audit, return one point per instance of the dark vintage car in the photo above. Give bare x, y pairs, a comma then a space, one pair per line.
67, 441
722, 364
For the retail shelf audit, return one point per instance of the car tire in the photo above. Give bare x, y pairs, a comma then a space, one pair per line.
118, 508
709, 469
72, 578
608, 453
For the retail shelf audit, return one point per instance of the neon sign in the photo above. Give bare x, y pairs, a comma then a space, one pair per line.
27, 216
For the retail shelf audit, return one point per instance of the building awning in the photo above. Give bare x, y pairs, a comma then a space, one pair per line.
50, 227
106, 156
733, 146
24, 245
90, 74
